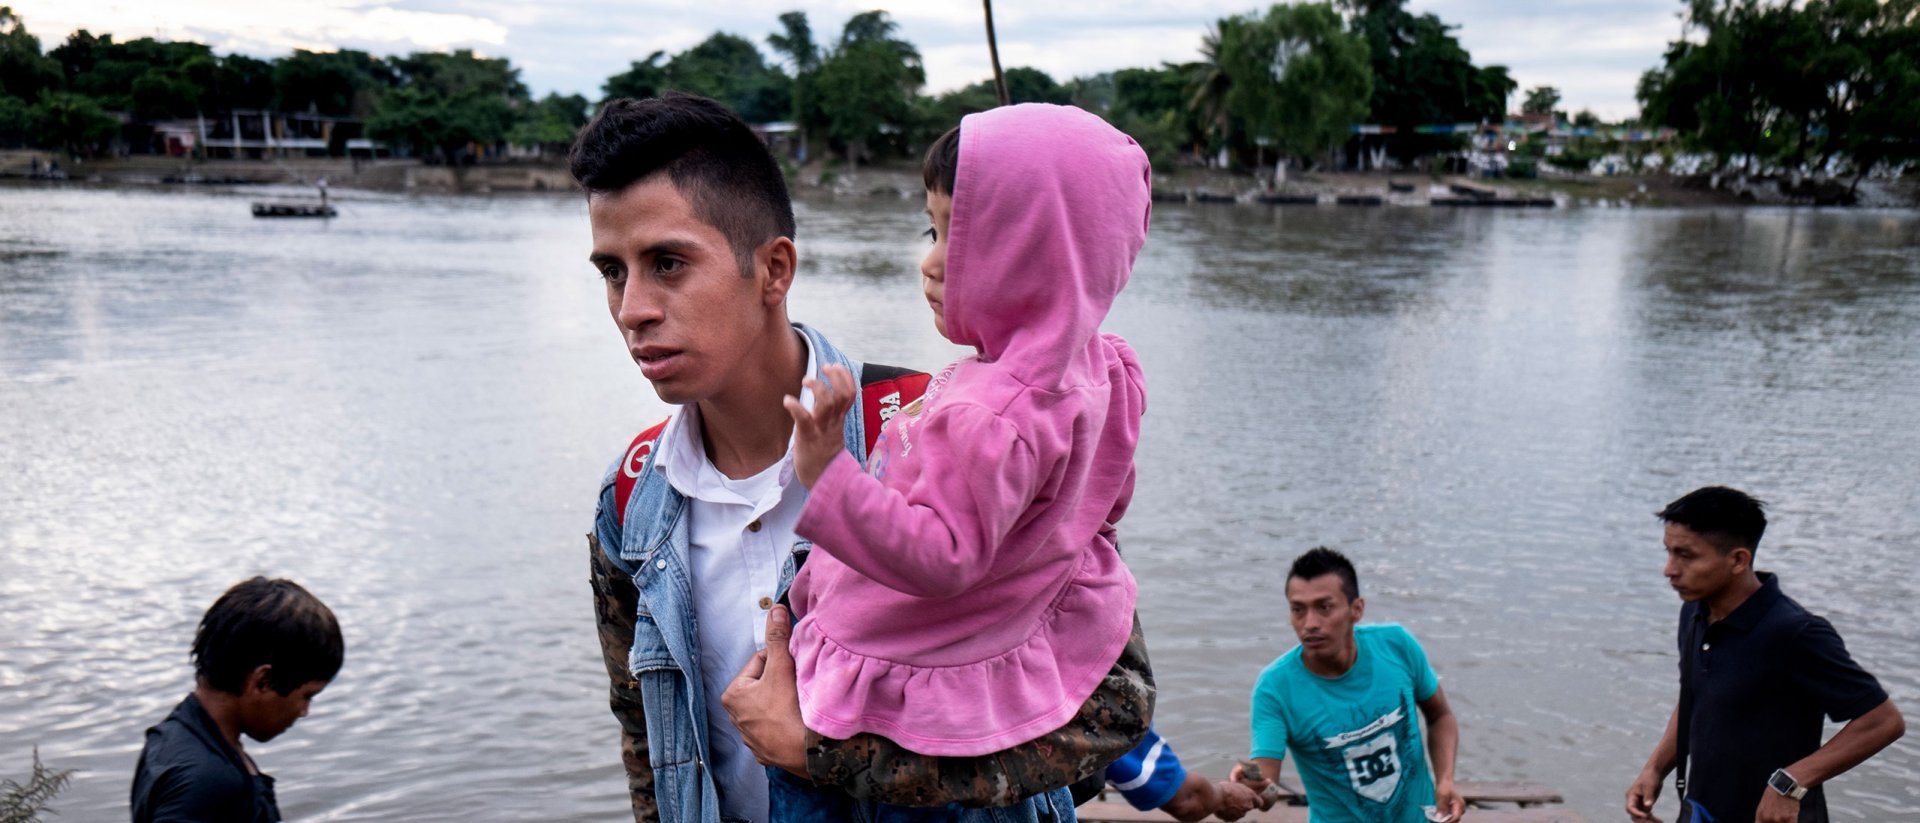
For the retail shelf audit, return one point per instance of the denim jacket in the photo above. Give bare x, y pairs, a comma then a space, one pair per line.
664, 661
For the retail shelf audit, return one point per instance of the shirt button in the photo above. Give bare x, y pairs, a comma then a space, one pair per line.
766, 603
660, 564
754, 526
1706, 647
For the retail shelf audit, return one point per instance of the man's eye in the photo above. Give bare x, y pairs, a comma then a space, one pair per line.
669, 265
611, 272
931, 235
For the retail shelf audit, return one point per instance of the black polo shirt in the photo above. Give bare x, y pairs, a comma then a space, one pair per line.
189, 773
1762, 678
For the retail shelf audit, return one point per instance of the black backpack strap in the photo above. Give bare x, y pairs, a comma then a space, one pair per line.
871, 373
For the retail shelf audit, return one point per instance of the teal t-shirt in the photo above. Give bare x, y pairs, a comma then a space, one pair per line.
1355, 738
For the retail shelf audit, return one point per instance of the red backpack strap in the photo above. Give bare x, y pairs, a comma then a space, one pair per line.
639, 457
884, 390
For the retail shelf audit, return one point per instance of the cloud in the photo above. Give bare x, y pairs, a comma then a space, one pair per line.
269, 28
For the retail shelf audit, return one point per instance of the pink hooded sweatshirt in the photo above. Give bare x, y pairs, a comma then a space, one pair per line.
967, 596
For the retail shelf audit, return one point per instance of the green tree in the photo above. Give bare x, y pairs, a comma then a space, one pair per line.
1297, 78
1026, 84
14, 119
1885, 122
446, 103
236, 81
1208, 81
725, 67
343, 83
1790, 83
24, 71
71, 122
147, 78
795, 44
1541, 100
1422, 75
866, 87
550, 123
643, 79
728, 68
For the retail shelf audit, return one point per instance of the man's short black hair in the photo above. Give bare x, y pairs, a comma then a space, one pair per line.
712, 156
1321, 561
1728, 518
267, 622
942, 166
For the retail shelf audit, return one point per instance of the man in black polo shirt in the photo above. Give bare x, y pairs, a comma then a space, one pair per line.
1757, 672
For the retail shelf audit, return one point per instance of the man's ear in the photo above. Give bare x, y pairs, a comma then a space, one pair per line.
778, 259
1359, 608
1742, 559
260, 678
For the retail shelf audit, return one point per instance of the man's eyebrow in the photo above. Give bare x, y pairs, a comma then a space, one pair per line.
671, 245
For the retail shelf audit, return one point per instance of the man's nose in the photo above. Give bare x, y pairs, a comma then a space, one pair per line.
637, 308
1672, 568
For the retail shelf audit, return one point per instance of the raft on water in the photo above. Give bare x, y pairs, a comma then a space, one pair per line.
292, 210
1495, 202
1519, 803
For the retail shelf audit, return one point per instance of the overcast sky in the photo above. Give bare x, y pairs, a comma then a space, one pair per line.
1592, 50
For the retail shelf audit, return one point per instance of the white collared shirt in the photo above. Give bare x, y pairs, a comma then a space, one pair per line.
740, 533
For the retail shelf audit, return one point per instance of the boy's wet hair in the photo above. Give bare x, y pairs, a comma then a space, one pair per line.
1320, 561
712, 156
267, 622
942, 165
1727, 518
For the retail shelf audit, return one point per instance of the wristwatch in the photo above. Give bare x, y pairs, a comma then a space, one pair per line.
1784, 783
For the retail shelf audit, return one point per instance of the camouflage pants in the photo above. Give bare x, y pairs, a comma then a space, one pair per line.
1108, 725
869, 767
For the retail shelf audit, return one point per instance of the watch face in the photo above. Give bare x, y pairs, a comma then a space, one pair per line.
1782, 782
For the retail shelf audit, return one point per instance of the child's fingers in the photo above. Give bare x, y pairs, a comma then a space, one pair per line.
802, 418
840, 395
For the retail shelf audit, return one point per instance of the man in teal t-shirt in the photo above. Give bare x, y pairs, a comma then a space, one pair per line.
1344, 701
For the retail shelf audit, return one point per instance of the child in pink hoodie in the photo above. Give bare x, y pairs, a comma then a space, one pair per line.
965, 594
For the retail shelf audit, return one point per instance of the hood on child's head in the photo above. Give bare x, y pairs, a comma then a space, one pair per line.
1050, 208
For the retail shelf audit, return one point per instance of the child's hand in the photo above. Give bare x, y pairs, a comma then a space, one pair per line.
820, 435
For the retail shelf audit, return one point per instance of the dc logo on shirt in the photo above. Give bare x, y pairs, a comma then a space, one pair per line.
1373, 768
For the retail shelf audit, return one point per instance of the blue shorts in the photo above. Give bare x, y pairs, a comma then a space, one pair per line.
794, 800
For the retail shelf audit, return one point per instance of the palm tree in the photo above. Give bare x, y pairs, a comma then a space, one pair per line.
796, 43
1209, 82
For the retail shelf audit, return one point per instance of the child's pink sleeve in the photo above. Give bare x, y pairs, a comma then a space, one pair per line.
935, 531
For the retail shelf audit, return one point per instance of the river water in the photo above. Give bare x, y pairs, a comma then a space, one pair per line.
408, 409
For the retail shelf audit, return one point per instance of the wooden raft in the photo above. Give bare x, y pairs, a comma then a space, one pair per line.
1531, 803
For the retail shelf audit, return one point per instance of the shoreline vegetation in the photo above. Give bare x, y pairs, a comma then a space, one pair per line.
895, 178
1291, 101
24, 802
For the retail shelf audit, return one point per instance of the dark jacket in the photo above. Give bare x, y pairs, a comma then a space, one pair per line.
188, 773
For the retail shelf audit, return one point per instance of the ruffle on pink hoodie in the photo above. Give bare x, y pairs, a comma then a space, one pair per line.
965, 600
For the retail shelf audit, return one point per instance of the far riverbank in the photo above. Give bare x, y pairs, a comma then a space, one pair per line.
902, 179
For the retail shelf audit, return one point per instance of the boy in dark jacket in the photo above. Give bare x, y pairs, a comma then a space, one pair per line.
262, 652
